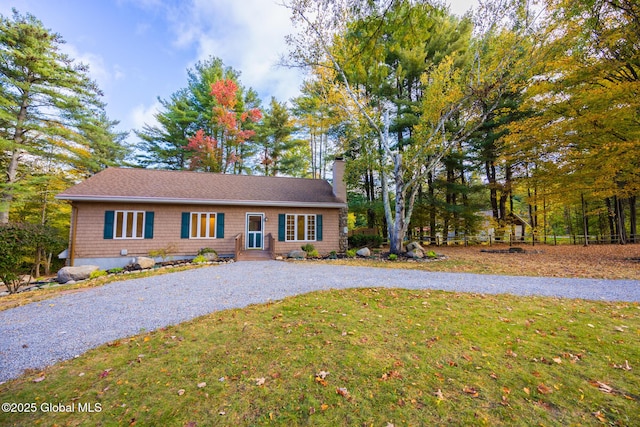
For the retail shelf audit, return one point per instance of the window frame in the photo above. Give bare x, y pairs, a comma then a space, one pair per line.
198, 223
137, 230
293, 220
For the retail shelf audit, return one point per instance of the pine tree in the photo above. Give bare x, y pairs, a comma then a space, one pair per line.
45, 99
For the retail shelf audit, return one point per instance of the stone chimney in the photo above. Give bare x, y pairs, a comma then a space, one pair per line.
339, 186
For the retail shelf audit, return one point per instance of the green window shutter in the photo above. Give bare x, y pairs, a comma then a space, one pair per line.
109, 217
319, 228
282, 227
220, 226
184, 228
148, 225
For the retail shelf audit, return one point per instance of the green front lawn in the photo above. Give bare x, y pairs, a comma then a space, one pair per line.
358, 357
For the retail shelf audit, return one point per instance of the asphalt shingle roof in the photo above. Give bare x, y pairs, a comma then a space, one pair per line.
122, 184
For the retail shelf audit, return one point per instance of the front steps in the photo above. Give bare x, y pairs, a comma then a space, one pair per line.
254, 255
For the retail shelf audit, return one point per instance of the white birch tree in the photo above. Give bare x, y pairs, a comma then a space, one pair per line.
456, 100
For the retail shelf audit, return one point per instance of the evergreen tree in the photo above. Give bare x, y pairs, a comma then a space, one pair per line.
192, 109
279, 152
45, 100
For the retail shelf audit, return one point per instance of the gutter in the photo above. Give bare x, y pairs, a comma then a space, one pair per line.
178, 201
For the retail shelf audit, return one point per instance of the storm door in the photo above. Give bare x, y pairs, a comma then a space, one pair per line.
254, 231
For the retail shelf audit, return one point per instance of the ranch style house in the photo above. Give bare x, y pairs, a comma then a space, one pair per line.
123, 213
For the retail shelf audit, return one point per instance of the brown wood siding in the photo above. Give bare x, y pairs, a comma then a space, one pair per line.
90, 242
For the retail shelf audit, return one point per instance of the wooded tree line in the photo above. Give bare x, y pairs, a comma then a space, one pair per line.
514, 110
519, 109
53, 132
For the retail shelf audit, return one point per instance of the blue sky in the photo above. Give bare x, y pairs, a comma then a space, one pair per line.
139, 50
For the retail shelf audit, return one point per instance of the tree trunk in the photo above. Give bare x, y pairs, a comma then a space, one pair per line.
490, 170
12, 168
397, 228
611, 218
585, 221
38, 261
633, 218
432, 209
622, 231
7, 194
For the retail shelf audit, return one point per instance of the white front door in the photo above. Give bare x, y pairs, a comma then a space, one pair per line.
255, 238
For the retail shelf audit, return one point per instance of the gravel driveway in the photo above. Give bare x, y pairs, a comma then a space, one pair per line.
43, 333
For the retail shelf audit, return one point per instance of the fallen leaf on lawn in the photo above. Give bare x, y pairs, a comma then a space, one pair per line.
324, 407
600, 416
342, 392
471, 391
105, 373
322, 374
510, 353
526, 390
191, 424
202, 384
147, 338
180, 392
321, 381
621, 328
604, 387
494, 375
467, 357
39, 379
625, 367
543, 389
391, 375
439, 394
558, 360
260, 381
590, 325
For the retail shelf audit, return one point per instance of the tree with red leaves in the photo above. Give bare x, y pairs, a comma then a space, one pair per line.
225, 154
208, 156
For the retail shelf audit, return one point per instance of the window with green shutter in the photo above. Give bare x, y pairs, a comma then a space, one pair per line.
299, 228
202, 225
128, 225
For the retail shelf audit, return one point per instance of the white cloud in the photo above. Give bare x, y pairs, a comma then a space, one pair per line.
247, 35
98, 70
142, 115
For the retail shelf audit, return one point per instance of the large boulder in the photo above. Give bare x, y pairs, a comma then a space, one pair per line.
297, 254
415, 254
414, 246
365, 252
81, 272
143, 263
210, 256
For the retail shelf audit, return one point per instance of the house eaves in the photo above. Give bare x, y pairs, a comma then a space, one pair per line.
187, 201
